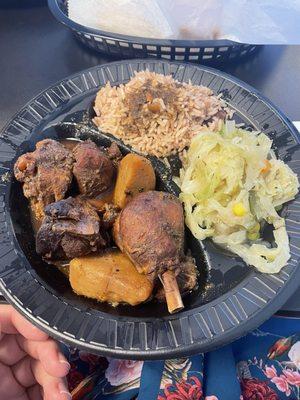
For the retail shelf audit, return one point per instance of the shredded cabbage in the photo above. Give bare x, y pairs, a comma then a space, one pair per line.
231, 183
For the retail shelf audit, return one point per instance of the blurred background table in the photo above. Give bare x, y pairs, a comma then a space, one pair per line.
36, 51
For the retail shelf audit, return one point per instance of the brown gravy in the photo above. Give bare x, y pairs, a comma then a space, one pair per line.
63, 266
99, 201
35, 222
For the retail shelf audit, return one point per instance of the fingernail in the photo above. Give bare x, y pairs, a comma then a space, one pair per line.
63, 361
63, 390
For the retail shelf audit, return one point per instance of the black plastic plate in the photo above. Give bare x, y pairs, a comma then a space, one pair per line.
232, 298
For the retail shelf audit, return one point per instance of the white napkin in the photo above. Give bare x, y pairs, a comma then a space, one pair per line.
245, 21
297, 125
128, 17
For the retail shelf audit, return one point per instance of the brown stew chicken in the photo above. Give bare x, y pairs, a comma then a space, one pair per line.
123, 242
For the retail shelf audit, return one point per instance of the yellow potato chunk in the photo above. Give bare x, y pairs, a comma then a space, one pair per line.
135, 175
109, 277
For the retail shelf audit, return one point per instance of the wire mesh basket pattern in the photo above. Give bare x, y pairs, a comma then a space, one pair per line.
201, 51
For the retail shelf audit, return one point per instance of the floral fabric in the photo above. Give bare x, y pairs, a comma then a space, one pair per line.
264, 365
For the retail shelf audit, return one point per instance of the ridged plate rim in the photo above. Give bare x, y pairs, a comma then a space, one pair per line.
198, 330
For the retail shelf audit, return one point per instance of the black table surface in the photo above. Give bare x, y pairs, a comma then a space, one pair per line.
36, 51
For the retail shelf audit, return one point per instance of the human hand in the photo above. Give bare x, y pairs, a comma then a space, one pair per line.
31, 365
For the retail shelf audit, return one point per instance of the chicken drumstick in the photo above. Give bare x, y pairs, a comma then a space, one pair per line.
150, 230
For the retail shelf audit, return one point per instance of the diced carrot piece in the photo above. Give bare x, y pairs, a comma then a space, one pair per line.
266, 168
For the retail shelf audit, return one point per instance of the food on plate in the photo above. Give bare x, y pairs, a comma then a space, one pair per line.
110, 277
101, 200
109, 213
98, 217
114, 198
187, 279
157, 115
71, 228
150, 231
46, 174
231, 186
135, 175
93, 169
114, 153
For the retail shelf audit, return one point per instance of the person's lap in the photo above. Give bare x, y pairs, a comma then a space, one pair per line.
263, 365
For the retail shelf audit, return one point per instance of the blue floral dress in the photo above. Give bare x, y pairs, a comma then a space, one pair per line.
264, 365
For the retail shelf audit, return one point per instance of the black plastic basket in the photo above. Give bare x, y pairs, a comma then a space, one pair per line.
122, 46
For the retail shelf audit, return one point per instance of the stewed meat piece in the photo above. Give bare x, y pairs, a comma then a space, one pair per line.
150, 230
110, 213
71, 228
93, 169
114, 152
46, 174
186, 279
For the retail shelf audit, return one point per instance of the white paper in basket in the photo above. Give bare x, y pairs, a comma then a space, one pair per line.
245, 21
128, 17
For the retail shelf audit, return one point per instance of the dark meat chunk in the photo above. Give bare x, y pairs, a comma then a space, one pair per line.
110, 214
93, 169
187, 279
114, 152
71, 228
46, 174
150, 230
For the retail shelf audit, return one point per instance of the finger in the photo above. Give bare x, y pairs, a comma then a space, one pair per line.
26, 328
12, 322
52, 359
10, 351
64, 393
54, 388
23, 396
48, 353
10, 389
5, 319
35, 393
23, 373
